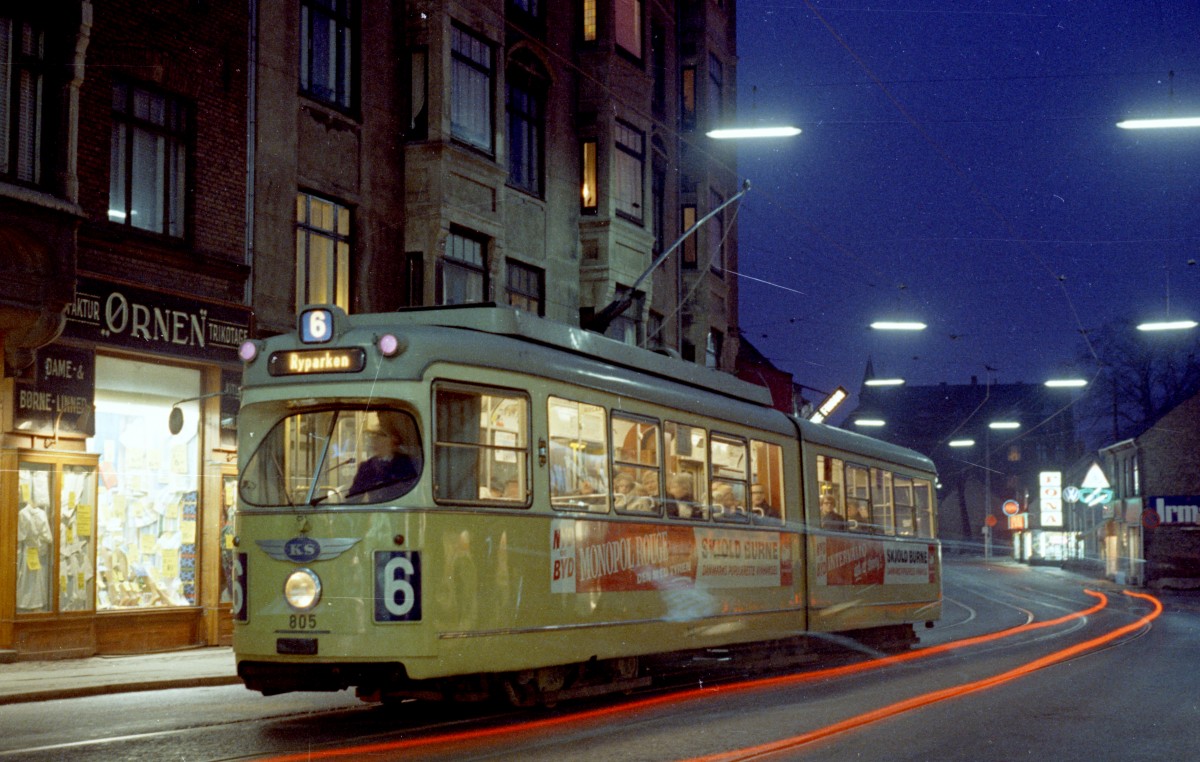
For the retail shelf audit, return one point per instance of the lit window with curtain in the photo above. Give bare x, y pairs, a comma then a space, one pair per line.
687, 249
630, 163
463, 271
588, 189
687, 97
327, 40
587, 15
149, 153
22, 56
629, 26
526, 124
471, 74
322, 252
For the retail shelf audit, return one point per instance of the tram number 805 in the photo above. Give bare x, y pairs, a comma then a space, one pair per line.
397, 586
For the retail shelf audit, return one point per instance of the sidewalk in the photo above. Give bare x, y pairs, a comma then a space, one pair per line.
71, 678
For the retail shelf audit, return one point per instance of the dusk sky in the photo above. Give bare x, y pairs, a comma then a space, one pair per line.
960, 165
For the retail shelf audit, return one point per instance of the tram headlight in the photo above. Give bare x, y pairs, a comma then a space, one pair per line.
249, 350
302, 589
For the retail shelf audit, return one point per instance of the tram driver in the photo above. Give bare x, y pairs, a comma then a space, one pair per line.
390, 465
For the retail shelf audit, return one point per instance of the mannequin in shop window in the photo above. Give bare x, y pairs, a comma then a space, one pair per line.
34, 539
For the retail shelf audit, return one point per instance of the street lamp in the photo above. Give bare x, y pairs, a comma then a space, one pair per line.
898, 325
1168, 325
1065, 383
1160, 124
737, 133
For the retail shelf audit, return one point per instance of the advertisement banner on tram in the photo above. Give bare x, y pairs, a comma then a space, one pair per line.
595, 556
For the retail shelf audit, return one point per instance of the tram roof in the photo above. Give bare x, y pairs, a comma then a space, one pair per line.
514, 323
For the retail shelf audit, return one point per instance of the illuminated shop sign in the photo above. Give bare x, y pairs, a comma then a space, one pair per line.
1176, 509
152, 321
307, 361
57, 393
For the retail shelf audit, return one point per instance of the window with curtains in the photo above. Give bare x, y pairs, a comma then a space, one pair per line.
328, 35
22, 100
149, 156
471, 83
322, 251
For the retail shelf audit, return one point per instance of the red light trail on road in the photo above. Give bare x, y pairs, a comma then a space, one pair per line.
484, 734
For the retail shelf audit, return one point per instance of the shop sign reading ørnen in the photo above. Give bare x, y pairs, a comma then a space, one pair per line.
136, 318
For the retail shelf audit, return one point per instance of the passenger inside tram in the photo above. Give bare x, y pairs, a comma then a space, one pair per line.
681, 499
390, 465
726, 502
831, 515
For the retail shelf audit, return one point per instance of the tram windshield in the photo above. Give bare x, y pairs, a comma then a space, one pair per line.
333, 457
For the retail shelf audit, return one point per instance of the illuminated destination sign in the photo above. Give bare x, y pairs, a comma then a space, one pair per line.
304, 362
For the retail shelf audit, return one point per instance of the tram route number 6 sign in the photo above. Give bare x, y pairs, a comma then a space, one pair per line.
397, 586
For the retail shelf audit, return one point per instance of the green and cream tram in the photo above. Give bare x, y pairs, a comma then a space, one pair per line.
461, 501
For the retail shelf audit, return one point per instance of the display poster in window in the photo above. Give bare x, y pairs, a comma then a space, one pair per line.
56, 395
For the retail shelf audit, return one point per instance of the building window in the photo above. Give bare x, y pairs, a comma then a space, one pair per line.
526, 125
327, 32
587, 14
587, 201
148, 172
526, 287
630, 160
687, 98
322, 252
658, 68
463, 271
412, 280
716, 234
471, 89
712, 352
687, 249
22, 56
629, 26
527, 13
658, 203
418, 82
716, 102
627, 327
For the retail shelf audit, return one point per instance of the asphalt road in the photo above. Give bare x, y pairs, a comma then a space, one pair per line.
1126, 693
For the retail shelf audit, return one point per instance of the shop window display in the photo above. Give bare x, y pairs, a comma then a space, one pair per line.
147, 504
55, 522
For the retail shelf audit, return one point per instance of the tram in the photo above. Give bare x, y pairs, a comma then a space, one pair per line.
461, 502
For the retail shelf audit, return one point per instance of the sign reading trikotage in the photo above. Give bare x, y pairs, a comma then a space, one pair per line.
136, 318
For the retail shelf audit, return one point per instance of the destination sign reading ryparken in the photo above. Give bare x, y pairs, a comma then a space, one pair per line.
309, 361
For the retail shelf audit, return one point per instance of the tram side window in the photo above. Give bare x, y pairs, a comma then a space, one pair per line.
636, 472
923, 508
578, 456
902, 495
881, 501
831, 490
481, 452
766, 482
858, 498
686, 468
729, 462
